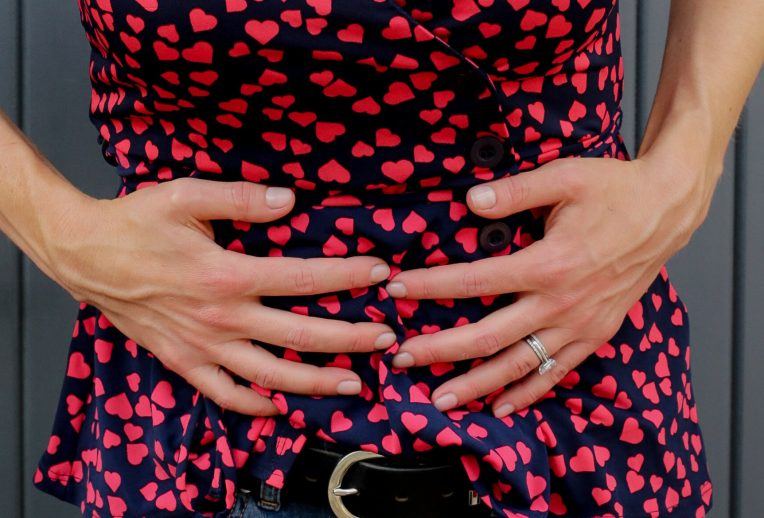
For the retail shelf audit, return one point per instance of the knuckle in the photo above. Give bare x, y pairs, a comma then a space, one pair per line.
565, 302
298, 338
239, 196
353, 279
587, 319
473, 284
571, 178
427, 355
357, 341
514, 192
179, 192
318, 386
558, 372
223, 400
212, 316
425, 290
304, 281
557, 269
217, 280
487, 343
518, 367
172, 359
611, 327
268, 378
470, 391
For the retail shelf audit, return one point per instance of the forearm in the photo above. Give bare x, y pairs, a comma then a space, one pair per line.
714, 51
36, 201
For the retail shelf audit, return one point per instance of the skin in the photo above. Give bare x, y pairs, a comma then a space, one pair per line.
610, 224
575, 284
192, 304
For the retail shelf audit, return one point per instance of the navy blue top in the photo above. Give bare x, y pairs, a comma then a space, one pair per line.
379, 113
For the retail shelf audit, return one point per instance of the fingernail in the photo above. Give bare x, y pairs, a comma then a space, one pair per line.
277, 197
483, 197
396, 289
446, 402
349, 387
403, 360
385, 340
379, 272
504, 410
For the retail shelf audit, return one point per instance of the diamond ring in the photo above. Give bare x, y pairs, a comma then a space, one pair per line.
547, 363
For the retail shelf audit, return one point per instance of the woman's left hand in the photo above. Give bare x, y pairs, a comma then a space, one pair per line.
611, 226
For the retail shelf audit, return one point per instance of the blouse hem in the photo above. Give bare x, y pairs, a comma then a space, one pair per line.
686, 508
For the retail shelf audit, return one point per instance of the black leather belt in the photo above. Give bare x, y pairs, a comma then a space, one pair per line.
366, 485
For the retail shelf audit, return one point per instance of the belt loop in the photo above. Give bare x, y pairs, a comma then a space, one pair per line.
270, 497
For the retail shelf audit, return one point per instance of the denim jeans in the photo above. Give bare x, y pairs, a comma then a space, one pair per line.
246, 506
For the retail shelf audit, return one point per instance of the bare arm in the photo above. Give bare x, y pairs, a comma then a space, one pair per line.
613, 223
34, 196
193, 304
714, 52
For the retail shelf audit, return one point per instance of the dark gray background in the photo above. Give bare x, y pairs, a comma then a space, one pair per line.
44, 87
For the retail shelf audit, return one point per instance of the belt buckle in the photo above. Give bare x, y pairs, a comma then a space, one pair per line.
335, 489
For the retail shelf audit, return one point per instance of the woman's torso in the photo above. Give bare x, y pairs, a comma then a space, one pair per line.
376, 112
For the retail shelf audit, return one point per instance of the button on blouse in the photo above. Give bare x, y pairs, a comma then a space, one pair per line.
380, 114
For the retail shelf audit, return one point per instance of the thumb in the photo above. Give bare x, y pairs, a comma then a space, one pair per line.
241, 200
539, 187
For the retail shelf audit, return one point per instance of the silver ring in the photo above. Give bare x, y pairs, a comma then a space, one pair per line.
547, 363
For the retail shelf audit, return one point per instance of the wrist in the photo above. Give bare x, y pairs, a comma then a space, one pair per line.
683, 156
685, 131
65, 231
43, 213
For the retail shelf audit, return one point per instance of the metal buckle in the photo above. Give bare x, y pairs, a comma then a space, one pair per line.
336, 491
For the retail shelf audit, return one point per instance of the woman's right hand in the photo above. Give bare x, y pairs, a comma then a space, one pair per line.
148, 261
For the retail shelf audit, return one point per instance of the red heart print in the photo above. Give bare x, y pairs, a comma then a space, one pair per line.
78, 367
583, 461
120, 406
413, 422
201, 21
262, 31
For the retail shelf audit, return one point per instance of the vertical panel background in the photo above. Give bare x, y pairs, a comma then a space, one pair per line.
719, 272
56, 93
702, 273
750, 423
10, 289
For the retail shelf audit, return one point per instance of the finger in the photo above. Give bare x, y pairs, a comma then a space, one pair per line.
513, 363
545, 185
220, 387
534, 386
282, 276
255, 364
314, 334
245, 201
483, 338
490, 276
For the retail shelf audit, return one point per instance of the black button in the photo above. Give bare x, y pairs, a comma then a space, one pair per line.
487, 151
495, 237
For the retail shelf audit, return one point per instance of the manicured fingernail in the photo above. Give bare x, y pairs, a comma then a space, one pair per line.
403, 360
483, 197
396, 289
277, 197
385, 340
379, 272
349, 387
504, 410
446, 402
